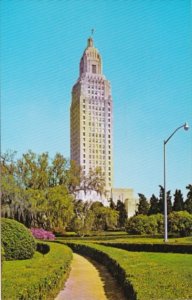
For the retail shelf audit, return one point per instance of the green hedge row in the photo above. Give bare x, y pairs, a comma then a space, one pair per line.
163, 248
112, 265
143, 275
38, 278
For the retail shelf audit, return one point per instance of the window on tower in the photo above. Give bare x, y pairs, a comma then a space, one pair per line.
94, 69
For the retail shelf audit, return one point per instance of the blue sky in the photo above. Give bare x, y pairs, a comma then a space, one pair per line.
145, 46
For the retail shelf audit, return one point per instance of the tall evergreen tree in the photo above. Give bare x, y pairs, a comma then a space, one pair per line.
120, 207
161, 201
188, 202
178, 203
154, 205
143, 206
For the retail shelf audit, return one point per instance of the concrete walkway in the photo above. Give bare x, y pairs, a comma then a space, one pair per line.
89, 282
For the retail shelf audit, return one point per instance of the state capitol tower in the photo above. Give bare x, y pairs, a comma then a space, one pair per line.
91, 117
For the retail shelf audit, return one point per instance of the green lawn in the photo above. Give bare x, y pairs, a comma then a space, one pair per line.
154, 275
36, 278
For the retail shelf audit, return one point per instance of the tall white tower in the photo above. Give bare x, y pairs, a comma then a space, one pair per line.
91, 117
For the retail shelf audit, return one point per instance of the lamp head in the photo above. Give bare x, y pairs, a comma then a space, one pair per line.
186, 126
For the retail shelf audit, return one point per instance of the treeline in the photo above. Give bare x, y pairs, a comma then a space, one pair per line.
149, 217
40, 192
156, 204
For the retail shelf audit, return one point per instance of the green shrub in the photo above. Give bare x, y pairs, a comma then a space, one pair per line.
2, 254
142, 224
17, 241
180, 222
40, 277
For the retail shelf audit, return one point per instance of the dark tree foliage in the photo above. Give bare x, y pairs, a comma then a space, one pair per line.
178, 203
120, 207
161, 201
154, 205
143, 206
112, 204
188, 202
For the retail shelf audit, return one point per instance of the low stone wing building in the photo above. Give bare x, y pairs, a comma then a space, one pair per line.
127, 197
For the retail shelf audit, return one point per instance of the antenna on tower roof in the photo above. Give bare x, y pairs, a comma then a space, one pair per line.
92, 31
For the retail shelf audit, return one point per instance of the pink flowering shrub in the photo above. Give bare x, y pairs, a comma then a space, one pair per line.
42, 234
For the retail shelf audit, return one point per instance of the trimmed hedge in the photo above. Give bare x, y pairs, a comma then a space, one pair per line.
17, 240
142, 275
43, 248
163, 248
2, 254
41, 277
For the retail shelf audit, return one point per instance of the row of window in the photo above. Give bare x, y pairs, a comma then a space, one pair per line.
96, 86
98, 136
96, 142
97, 129
94, 92
97, 114
96, 126
96, 107
93, 152
97, 152
96, 97
96, 119
92, 80
96, 102
94, 113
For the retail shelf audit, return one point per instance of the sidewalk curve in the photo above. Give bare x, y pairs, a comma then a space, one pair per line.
89, 281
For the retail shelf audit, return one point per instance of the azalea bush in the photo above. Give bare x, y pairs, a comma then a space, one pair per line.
41, 234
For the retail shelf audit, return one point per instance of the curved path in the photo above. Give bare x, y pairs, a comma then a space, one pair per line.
89, 280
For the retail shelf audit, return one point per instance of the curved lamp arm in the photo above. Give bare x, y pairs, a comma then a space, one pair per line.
185, 126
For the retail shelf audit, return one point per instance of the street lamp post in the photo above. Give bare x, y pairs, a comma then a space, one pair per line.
186, 127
